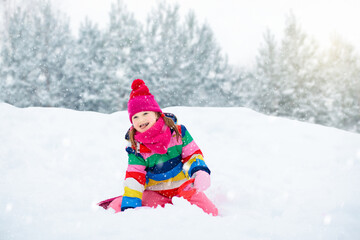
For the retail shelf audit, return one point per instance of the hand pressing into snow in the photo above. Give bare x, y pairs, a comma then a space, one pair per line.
202, 180
199, 182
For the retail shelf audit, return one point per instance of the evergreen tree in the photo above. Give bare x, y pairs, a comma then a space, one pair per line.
239, 89
163, 55
85, 72
204, 69
298, 65
266, 80
185, 65
294, 80
33, 55
124, 55
17, 62
341, 78
53, 42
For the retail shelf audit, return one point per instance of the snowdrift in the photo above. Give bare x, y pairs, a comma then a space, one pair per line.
272, 178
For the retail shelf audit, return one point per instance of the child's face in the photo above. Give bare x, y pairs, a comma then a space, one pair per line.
143, 121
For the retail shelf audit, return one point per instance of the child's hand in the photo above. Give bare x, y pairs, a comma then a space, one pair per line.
202, 180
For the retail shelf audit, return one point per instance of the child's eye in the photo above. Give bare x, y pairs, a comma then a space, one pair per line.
135, 117
145, 113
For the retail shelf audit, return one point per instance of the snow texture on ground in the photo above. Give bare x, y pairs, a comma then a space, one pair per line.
272, 178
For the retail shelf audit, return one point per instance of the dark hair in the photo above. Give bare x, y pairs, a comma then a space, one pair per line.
168, 121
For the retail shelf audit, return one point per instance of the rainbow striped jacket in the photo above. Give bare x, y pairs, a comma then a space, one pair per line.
158, 172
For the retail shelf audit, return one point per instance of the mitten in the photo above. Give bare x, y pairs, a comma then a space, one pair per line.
202, 180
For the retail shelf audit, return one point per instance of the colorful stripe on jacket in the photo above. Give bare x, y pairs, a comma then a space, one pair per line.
158, 172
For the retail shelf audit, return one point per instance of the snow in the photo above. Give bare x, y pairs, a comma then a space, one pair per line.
272, 178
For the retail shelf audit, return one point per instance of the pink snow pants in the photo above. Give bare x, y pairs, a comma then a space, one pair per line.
154, 199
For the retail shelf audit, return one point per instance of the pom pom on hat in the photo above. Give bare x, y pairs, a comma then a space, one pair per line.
139, 89
141, 99
137, 83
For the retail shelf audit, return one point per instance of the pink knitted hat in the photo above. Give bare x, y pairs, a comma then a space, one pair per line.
141, 99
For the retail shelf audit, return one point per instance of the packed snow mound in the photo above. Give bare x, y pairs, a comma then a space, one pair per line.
272, 178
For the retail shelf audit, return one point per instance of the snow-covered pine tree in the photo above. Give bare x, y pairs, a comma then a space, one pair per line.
266, 79
298, 65
85, 71
185, 65
33, 56
341, 78
163, 55
295, 80
52, 43
124, 55
239, 88
17, 61
203, 66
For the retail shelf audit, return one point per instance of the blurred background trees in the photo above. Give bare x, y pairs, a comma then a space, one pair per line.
43, 64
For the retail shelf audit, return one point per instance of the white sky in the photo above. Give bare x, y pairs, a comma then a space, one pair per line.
238, 24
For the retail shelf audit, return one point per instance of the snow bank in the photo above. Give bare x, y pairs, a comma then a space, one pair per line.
272, 178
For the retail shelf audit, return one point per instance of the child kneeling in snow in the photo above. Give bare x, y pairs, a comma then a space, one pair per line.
164, 160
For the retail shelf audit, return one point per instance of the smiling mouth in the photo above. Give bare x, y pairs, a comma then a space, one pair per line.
144, 125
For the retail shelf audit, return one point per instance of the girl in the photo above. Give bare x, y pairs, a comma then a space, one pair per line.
162, 158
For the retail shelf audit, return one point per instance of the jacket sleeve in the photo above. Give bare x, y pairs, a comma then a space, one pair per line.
192, 156
135, 181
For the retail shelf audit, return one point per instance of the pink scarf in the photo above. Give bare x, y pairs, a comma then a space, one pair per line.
157, 138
